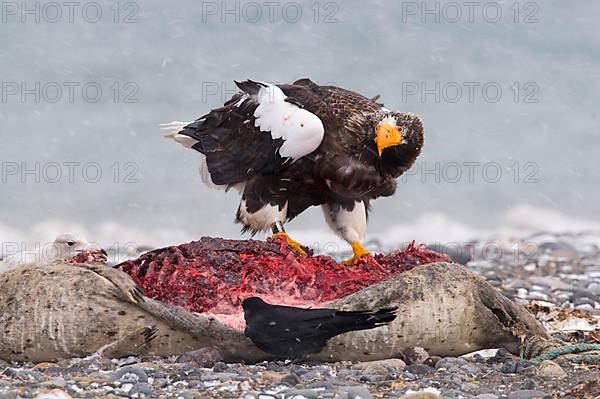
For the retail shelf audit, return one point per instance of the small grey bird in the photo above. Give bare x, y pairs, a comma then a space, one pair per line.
65, 246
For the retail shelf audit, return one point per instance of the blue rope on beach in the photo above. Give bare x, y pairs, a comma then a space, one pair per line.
568, 349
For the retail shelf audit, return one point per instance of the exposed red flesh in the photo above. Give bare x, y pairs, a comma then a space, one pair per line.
88, 257
214, 275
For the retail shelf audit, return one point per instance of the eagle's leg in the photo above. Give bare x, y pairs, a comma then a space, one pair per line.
349, 221
279, 231
257, 216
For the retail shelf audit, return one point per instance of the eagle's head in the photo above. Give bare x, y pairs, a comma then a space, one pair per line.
398, 137
394, 129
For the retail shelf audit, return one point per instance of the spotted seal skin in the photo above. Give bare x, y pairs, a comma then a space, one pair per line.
443, 308
64, 310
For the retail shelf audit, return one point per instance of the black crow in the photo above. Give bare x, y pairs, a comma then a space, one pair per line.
296, 332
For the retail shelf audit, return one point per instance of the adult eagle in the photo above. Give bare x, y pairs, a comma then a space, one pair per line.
287, 147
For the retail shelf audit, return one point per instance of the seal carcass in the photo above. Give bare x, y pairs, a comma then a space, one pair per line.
65, 310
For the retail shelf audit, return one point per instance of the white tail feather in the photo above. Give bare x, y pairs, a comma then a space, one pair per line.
172, 130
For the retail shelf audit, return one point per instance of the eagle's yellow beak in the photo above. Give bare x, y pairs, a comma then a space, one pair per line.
388, 135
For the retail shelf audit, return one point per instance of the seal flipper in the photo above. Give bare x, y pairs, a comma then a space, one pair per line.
125, 287
135, 343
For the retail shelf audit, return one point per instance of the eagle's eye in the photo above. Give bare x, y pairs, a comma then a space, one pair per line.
70, 243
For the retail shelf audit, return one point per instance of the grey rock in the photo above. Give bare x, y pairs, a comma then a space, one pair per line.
515, 366
407, 375
380, 367
54, 383
188, 394
160, 374
131, 374
527, 394
91, 363
548, 281
486, 396
518, 283
528, 383
538, 295
195, 384
594, 288
471, 368
162, 382
457, 365
457, 378
428, 395
448, 362
583, 294
290, 380
416, 355
204, 357
419, 369
326, 385
219, 367
307, 393
52, 394
358, 392
10, 372
470, 387
583, 301
274, 366
140, 390
550, 369
298, 370
345, 376
219, 377
22, 374
556, 246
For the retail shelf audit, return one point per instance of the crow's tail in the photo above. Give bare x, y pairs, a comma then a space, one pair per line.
362, 320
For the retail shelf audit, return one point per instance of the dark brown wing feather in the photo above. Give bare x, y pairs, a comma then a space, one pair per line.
236, 150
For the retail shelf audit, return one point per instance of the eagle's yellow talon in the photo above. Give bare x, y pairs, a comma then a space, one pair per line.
295, 245
359, 252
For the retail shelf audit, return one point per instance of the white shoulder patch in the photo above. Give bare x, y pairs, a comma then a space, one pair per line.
301, 130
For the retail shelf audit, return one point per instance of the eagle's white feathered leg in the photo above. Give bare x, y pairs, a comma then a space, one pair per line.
262, 219
268, 217
349, 224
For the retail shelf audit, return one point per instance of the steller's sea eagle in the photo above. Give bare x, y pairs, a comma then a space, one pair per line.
287, 147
